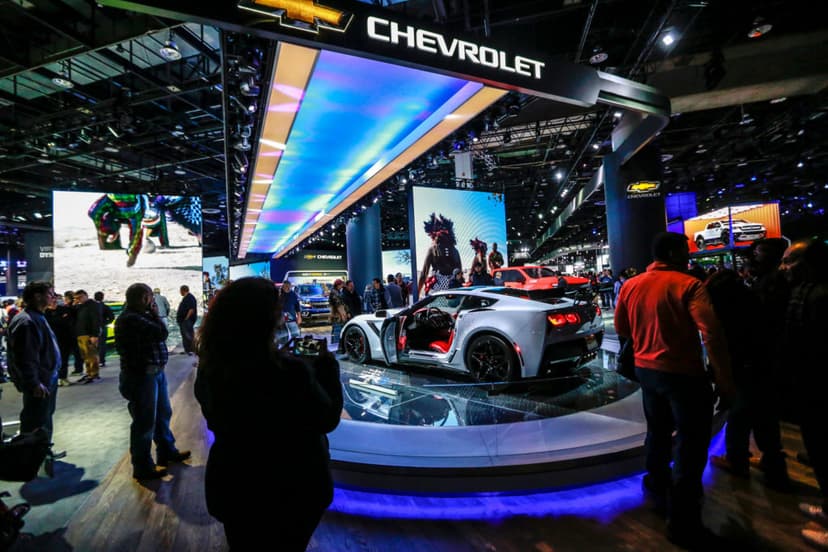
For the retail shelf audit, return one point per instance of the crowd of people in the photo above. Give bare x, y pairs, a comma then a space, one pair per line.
746, 337
759, 329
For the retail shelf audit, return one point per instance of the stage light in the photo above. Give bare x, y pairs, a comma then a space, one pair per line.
760, 28
668, 39
598, 56
170, 51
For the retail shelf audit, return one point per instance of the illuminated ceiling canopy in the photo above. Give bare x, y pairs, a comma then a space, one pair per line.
337, 126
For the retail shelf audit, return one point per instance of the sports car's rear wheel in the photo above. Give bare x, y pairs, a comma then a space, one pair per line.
356, 345
700, 243
490, 358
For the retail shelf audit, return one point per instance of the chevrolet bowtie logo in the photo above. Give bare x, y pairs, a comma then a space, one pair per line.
305, 15
643, 187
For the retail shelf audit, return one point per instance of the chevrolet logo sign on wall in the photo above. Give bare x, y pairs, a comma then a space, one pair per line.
304, 15
643, 188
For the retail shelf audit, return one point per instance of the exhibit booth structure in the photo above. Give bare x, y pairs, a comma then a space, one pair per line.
351, 95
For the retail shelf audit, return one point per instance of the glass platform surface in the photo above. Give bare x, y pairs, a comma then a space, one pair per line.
415, 429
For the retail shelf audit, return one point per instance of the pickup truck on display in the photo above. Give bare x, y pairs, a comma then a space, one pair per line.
718, 232
313, 300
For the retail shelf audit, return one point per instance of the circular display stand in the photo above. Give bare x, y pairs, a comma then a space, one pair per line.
424, 432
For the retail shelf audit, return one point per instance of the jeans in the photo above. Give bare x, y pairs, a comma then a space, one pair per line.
187, 334
683, 403
607, 299
149, 407
38, 412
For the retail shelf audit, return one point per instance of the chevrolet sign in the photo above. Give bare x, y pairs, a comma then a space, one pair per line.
305, 15
643, 188
385, 30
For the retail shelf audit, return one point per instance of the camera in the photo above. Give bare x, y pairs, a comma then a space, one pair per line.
308, 346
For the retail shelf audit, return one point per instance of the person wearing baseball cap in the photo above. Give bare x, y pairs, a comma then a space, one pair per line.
338, 313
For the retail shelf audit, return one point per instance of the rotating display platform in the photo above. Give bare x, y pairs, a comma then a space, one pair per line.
430, 432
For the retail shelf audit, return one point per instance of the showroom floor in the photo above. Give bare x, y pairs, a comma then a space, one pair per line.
93, 504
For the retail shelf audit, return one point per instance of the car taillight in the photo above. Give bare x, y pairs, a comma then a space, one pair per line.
562, 319
597, 310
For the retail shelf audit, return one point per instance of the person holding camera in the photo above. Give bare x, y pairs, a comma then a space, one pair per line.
141, 341
240, 370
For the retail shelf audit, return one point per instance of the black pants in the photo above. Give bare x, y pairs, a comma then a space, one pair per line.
187, 335
102, 347
683, 403
814, 429
755, 408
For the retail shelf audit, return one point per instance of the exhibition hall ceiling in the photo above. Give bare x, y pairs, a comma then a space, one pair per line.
147, 111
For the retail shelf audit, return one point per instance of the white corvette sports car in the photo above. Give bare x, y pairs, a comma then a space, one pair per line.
490, 333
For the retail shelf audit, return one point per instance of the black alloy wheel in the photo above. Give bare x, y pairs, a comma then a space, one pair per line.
700, 243
726, 238
356, 345
489, 358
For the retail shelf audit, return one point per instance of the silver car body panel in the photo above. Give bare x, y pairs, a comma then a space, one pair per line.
521, 322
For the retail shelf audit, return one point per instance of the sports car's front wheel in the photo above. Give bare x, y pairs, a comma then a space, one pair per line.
490, 358
356, 345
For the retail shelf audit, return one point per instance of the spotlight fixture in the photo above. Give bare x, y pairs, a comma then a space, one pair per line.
668, 39
248, 87
111, 149
759, 28
170, 51
598, 56
179, 171
63, 80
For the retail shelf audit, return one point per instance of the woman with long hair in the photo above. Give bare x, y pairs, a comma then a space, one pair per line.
257, 399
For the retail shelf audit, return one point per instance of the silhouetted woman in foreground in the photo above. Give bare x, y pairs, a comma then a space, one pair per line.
257, 400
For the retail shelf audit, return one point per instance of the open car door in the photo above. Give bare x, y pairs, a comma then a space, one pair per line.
388, 339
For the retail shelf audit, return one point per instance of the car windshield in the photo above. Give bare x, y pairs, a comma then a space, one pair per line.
309, 289
549, 296
539, 272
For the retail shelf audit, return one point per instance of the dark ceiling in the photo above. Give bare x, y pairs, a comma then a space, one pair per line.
135, 121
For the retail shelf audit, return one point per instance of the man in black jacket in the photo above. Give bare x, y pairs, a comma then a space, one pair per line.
34, 359
140, 337
186, 317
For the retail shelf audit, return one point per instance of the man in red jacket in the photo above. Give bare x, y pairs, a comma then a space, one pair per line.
663, 311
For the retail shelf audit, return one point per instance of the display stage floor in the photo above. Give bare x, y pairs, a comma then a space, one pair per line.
93, 505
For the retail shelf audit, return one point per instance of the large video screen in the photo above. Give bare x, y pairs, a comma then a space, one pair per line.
734, 226
214, 276
106, 242
445, 228
396, 260
256, 270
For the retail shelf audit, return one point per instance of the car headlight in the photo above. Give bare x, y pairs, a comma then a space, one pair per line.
305, 305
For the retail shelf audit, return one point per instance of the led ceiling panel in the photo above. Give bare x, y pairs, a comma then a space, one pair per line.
337, 126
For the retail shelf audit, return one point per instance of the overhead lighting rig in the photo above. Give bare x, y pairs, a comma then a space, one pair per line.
243, 93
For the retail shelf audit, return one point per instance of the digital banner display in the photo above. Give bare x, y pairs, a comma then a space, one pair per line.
734, 226
396, 260
39, 256
214, 276
258, 270
106, 242
447, 225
